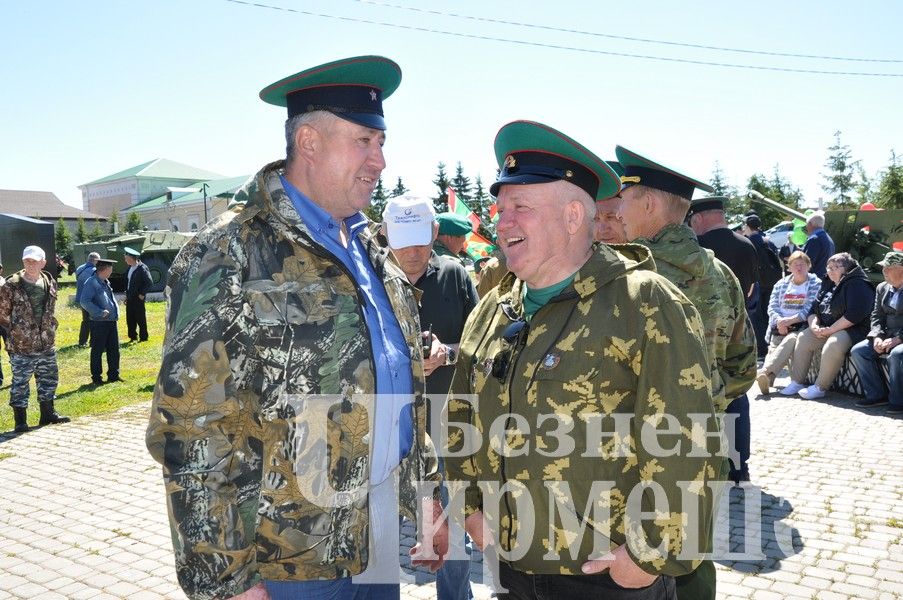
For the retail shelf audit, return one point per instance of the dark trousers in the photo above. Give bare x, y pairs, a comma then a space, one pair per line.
84, 331
742, 433
136, 319
104, 338
523, 586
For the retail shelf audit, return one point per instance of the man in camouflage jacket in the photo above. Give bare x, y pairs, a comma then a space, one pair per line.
27, 312
258, 415
565, 369
654, 202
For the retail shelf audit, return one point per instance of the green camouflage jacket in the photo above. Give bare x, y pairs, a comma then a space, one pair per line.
716, 294
263, 478
26, 335
620, 344
440, 249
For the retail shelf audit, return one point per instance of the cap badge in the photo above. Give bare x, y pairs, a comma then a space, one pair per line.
568, 174
551, 361
372, 95
631, 179
510, 162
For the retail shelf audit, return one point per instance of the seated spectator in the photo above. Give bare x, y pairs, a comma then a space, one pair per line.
838, 321
788, 309
884, 339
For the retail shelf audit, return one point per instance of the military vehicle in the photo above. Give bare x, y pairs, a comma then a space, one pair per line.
866, 233
157, 248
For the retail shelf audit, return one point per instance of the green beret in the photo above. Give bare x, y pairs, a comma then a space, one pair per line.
891, 259
454, 224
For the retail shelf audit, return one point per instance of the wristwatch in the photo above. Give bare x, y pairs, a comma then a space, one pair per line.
451, 355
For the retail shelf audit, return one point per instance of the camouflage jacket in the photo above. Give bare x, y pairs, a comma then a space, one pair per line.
26, 335
716, 293
256, 415
441, 249
619, 343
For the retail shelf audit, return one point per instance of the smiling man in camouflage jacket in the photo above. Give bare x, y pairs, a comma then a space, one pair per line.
566, 370
285, 319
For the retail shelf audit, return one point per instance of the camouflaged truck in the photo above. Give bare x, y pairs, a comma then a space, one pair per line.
866, 234
158, 249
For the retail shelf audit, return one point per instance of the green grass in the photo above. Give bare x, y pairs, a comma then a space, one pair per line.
139, 364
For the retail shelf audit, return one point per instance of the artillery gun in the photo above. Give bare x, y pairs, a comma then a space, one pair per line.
158, 250
866, 234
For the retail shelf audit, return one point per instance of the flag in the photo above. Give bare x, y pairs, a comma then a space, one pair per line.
459, 207
494, 213
478, 246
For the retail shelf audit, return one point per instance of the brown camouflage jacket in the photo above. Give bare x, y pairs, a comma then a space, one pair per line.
264, 477
618, 344
26, 335
716, 294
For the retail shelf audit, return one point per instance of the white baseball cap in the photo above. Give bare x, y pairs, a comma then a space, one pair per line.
409, 221
34, 253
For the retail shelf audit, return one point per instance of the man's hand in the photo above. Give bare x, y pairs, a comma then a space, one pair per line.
878, 345
436, 358
433, 532
476, 527
621, 568
258, 592
822, 333
891, 343
782, 328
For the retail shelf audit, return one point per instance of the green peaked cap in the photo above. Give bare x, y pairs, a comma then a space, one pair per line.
351, 88
639, 170
528, 152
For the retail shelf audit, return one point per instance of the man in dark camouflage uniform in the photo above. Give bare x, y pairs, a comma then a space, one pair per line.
654, 203
565, 367
292, 351
27, 305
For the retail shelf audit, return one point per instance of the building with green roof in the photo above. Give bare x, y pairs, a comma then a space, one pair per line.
187, 208
124, 189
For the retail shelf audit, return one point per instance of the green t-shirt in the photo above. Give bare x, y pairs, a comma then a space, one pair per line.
534, 299
37, 294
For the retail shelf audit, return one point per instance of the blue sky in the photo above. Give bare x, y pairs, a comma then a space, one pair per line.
97, 86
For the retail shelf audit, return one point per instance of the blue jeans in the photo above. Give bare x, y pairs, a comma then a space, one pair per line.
333, 589
865, 358
740, 442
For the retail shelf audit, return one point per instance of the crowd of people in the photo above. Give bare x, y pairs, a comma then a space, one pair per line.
323, 376
28, 326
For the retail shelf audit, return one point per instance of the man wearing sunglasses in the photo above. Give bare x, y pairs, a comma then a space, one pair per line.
565, 371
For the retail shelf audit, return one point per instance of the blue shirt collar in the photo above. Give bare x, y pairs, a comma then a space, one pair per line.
317, 220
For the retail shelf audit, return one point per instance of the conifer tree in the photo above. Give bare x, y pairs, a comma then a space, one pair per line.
81, 232
440, 202
839, 179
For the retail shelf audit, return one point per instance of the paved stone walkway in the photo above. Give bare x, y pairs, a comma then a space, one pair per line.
82, 512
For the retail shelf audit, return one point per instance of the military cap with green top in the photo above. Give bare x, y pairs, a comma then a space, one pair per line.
894, 258
454, 224
528, 152
132, 252
351, 88
639, 170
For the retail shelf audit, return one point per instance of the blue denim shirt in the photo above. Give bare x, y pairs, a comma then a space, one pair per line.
83, 274
394, 384
97, 296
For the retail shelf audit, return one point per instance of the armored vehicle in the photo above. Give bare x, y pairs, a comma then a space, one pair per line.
157, 248
867, 234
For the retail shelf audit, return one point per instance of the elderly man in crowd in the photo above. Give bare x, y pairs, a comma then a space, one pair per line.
82, 274
98, 300
288, 412
574, 340
819, 246
654, 204
27, 305
452, 238
884, 340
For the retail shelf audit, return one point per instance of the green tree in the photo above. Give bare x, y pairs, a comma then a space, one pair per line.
481, 203
839, 179
778, 189
398, 190
863, 187
81, 232
133, 223
63, 240
115, 225
378, 199
440, 202
461, 184
722, 187
96, 232
890, 188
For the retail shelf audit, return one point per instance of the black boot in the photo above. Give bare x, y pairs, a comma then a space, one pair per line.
49, 416
21, 416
